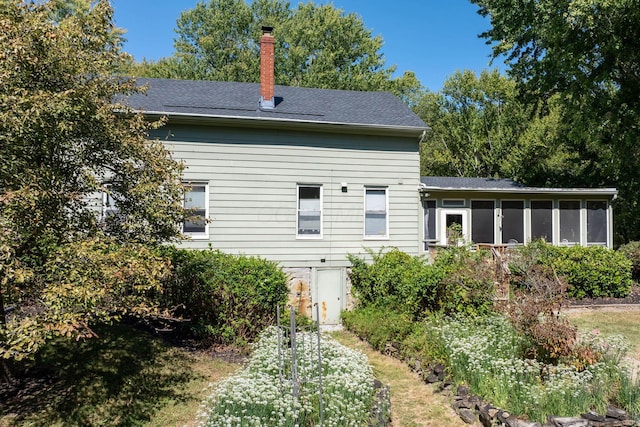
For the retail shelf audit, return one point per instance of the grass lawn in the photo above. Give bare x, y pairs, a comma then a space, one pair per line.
413, 403
625, 323
126, 377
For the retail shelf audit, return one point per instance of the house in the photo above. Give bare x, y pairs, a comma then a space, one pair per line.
502, 211
304, 176
296, 175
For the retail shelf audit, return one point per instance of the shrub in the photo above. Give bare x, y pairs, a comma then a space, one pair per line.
458, 281
229, 298
590, 272
632, 251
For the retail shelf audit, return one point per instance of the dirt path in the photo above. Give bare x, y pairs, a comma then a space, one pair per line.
413, 403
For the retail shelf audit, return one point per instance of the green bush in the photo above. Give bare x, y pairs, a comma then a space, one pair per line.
458, 281
632, 251
590, 272
229, 298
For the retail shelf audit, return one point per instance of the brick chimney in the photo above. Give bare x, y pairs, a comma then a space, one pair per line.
267, 76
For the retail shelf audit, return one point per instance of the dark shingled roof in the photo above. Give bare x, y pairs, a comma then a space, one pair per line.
501, 185
448, 182
293, 104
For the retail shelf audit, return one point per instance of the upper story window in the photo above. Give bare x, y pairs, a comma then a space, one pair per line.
309, 211
376, 208
196, 200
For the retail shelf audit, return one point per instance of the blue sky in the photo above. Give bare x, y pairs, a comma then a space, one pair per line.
432, 38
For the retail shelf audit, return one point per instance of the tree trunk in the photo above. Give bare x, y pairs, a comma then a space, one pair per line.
5, 371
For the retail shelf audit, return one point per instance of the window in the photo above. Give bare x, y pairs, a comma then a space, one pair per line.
542, 220
512, 221
596, 222
109, 205
376, 224
482, 221
196, 200
569, 222
309, 211
453, 226
452, 203
429, 207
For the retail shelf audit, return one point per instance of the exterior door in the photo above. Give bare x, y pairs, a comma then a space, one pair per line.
329, 295
451, 217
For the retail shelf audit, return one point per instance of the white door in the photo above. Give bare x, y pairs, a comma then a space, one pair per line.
328, 294
449, 218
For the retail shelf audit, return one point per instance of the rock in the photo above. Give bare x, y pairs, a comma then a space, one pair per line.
463, 390
487, 414
467, 415
432, 378
462, 404
617, 413
593, 416
439, 370
568, 421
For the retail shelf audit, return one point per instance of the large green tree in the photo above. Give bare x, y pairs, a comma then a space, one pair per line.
65, 141
316, 46
587, 54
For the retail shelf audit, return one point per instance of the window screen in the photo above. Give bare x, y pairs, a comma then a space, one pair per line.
570, 221
541, 220
512, 221
375, 215
482, 221
429, 219
596, 222
309, 210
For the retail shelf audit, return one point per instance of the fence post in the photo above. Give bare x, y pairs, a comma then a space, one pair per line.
320, 403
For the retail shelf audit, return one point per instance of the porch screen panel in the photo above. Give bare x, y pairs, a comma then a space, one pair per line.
512, 221
596, 222
482, 221
542, 220
569, 221
429, 219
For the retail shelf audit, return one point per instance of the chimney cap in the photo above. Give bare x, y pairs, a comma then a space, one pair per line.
266, 29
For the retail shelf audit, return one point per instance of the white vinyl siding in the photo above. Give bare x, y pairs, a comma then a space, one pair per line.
309, 224
376, 217
196, 201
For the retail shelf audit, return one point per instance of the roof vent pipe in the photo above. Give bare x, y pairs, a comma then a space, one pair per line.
267, 75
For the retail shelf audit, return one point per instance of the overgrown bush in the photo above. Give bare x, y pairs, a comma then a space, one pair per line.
632, 251
590, 272
459, 280
229, 298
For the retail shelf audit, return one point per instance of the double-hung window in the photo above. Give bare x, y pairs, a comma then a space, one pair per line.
109, 206
376, 209
309, 217
196, 202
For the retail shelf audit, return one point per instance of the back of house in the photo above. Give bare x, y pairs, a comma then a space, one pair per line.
296, 175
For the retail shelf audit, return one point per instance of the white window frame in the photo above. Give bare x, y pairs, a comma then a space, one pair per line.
465, 224
309, 236
365, 212
193, 235
107, 200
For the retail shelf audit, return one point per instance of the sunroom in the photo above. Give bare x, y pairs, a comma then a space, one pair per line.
490, 211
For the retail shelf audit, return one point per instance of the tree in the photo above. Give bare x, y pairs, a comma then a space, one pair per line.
316, 46
65, 140
587, 52
475, 122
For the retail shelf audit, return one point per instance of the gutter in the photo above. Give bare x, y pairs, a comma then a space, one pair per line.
280, 123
